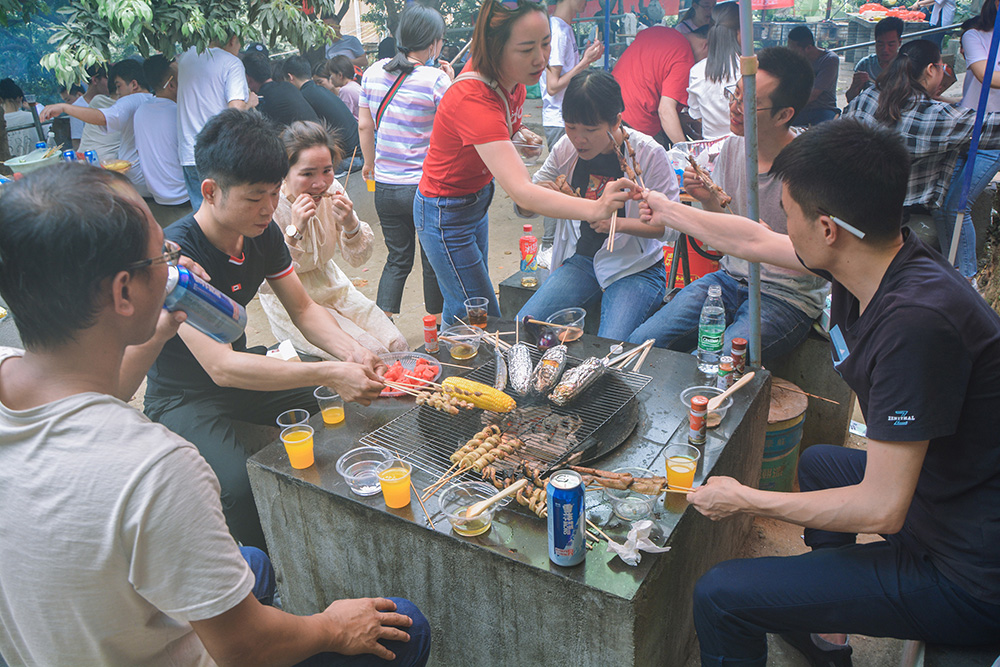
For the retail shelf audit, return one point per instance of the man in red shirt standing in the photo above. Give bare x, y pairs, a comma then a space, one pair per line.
653, 73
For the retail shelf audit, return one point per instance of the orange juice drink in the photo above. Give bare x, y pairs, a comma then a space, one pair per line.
394, 477
331, 405
298, 441
682, 463
333, 415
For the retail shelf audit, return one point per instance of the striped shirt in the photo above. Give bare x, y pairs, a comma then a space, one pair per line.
405, 131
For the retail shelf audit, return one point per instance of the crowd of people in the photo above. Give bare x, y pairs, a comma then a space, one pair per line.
242, 152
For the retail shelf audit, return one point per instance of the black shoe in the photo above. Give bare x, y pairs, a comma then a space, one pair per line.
817, 657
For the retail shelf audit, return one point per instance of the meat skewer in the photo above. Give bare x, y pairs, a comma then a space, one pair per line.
635, 163
707, 181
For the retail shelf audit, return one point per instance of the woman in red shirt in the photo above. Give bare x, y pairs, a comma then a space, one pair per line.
471, 144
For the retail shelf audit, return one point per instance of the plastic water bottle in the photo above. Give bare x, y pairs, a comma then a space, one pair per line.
208, 310
50, 140
529, 258
711, 331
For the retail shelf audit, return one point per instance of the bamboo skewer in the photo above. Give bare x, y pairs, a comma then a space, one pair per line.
348, 179
442, 476
437, 485
611, 232
553, 324
642, 358
426, 382
806, 393
461, 53
426, 514
405, 388
599, 531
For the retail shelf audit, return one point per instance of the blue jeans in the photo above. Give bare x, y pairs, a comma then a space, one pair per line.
877, 589
347, 165
412, 653
192, 181
624, 305
985, 168
454, 232
394, 205
675, 326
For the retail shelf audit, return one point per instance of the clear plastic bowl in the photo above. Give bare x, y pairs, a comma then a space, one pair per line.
631, 505
570, 317
530, 153
463, 341
457, 498
358, 468
709, 393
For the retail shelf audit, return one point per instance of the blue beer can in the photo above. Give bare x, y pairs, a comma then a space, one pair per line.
40, 146
92, 158
208, 310
69, 156
567, 518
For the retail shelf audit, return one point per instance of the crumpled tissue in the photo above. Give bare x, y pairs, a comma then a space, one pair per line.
637, 540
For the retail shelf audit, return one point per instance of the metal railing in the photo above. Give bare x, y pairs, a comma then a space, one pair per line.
909, 35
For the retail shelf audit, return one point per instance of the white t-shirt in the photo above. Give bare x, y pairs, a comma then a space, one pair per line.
564, 54
75, 124
976, 46
350, 94
119, 117
156, 138
707, 101
113, 538
206, 83
104, 142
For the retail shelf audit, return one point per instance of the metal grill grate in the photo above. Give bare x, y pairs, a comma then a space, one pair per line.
427, 438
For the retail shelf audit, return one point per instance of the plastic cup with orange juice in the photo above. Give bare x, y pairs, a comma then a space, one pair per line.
394, 478
682, 463
298, 442
331, 405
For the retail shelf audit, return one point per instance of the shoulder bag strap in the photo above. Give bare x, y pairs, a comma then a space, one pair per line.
388, 98
495, 87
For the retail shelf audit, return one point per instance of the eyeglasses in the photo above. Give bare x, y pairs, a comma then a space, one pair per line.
729, 92
843, 225
945, 68
171, 253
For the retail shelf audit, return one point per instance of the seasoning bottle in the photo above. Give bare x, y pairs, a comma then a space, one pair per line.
430, 333
698, 421
529, 258
739, 358
725, 378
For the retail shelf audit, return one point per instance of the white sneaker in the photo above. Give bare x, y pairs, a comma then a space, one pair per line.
545, 258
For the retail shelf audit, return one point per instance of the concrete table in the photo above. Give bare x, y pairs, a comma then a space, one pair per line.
496, 599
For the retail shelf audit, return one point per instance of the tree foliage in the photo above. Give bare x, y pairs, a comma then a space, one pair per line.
459, 15
90, 26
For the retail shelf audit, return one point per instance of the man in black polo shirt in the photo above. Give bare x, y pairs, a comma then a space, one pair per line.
922, 351
279, 100
331, 109
197, 387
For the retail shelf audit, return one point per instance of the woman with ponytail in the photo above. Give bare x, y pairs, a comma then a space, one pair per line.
399, 98
711, 76
935, 132
976, 38
471, 144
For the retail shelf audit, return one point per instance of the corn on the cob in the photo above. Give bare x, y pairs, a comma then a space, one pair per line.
480, 395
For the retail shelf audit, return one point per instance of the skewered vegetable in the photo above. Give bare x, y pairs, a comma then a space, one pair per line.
519, 368
549, 368
480, 395
577, 379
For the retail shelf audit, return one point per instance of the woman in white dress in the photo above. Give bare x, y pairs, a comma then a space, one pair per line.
318, 219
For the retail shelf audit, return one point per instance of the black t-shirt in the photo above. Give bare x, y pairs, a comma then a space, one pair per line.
265, 256
284, 104
336, 114
924, 360
590, 176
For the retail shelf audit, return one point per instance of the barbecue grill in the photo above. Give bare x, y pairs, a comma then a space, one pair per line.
594, 424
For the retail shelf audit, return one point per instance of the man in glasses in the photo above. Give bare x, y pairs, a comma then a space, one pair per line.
921, 349
790, 301
115, 550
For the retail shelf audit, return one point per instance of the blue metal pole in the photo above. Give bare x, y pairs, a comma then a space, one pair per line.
977, 129
748, 69
607, 35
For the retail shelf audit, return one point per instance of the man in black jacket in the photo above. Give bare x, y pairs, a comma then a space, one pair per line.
331, 109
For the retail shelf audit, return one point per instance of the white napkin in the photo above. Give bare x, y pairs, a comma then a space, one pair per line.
637, 540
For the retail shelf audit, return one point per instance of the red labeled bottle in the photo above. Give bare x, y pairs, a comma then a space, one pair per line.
529, 258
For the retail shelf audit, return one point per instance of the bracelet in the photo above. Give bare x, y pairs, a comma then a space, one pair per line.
353, 231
